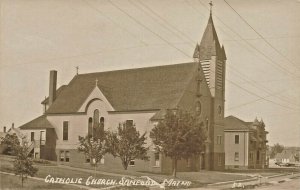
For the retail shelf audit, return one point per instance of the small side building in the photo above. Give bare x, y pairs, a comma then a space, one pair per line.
245, 144
288, 155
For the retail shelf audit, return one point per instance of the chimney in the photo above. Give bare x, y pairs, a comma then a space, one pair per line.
12, 125
52, 86
4, 129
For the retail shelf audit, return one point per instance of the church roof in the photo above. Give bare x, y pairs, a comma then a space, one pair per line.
58, 91
147, 88
209, 45
40, 122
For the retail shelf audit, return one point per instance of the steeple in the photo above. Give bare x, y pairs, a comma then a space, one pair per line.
209, 45
212, 58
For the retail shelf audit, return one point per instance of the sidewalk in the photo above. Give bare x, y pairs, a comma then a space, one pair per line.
255, 181
93, 171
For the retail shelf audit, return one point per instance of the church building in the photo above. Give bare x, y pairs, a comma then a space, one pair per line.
138, 96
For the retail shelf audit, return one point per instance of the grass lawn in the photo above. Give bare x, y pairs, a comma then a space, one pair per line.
56, 171
198, 179
14, 182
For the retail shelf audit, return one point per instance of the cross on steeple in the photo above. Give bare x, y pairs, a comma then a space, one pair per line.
77, 68
211, 5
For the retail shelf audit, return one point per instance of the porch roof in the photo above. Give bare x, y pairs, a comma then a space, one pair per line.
40, 122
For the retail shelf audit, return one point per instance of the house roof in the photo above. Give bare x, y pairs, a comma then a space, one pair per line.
234, 123
147, 88
286, 153
2, 135
40, 122
16, 131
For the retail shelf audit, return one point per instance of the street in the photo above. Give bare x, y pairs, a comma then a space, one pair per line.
288, 185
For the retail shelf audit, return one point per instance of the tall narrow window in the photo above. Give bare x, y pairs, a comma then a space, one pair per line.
237, 139
36, 155
90, 126
156, 158
219, 139
62, 156
32, 136
96, 118
102, 123
65, 130
219, 110
251, 156
102, 120
67, 156
207, 124
220, 160
236, 156
198, 108
42, 138
188, 162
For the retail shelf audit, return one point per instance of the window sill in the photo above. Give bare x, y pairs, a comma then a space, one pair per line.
156, 166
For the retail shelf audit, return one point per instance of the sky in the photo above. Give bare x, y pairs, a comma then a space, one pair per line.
261, 39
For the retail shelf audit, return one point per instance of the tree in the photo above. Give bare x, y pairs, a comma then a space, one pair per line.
12, 142
93, 148
276, 148
179, 136
23, 164
127, 144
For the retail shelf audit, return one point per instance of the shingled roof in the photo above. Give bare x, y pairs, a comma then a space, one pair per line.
40, 122
234, 123
58, 91
147, 88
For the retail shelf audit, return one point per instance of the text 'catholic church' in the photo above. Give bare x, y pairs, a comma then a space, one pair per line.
138, 96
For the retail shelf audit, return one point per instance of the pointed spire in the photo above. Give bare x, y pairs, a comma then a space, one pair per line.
209, 45
197, 51
262, 122
256, 122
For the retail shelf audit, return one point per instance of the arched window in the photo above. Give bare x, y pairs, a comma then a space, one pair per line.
90, 126
207, 124
96, 118
102, 121
102, 125
198, 108
219, 110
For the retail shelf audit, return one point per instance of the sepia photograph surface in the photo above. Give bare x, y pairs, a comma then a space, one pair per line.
150, 94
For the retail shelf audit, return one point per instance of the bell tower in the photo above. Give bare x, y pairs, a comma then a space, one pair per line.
212, 58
